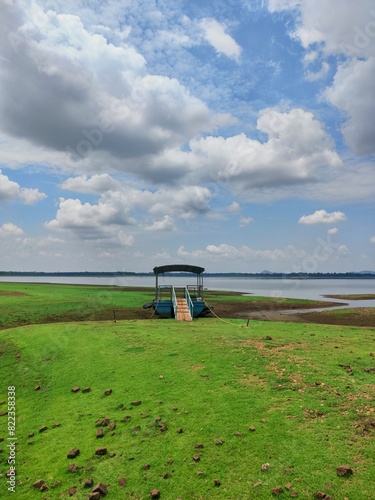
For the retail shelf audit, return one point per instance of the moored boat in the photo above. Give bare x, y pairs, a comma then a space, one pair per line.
183, 302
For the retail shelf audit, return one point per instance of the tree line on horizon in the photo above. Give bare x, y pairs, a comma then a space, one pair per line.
267, 274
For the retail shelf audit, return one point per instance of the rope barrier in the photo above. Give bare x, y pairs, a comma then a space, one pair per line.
221, 319
153, 313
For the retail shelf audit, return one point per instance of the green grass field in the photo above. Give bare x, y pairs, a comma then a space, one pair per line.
218, 401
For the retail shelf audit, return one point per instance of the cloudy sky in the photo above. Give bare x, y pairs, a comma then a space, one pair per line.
234, 134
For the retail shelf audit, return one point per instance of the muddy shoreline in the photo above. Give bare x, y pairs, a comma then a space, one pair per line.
362, 316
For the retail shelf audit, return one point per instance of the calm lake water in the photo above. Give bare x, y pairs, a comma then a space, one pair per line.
304, 289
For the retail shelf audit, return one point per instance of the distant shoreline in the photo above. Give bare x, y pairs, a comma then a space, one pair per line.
116, 274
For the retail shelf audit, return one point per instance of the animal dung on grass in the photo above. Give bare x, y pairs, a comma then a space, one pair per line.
44, 428
72, 491
108, 392
101, 451
98, 491
103, 422
101, 489
39, 483
320, 495
265, 467
72, 468
155, 493
73, 453
86, 389
344, 470
94, 496
76, 388
347, 368
136, 403
100, 433
122, 481
89, 483
277, 491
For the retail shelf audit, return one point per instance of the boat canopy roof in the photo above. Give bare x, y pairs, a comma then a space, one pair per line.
182, 268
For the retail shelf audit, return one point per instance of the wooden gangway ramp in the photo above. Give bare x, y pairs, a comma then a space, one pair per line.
183, 313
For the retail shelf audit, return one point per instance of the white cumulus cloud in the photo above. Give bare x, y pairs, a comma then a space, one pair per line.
87, 221
234, 207
97, 184
216, 34
323, 217
166, 224
245, 221
296, 149
102, 93
352, 92
10, 190
10, 229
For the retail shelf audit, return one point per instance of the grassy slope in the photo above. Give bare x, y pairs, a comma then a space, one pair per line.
33, 303
309, 414
30, 303
357, 296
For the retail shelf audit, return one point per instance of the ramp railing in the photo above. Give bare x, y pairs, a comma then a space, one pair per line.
189, 301
174, 302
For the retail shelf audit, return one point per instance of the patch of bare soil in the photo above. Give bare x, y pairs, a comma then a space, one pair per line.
269, 311
12, 294
360, 316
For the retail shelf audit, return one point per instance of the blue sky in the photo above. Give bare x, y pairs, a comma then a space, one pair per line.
235, 135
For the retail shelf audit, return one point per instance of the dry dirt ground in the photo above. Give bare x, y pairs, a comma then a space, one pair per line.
360, 316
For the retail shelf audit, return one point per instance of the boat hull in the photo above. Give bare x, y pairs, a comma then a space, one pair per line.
165, 308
